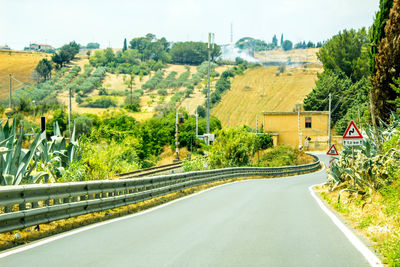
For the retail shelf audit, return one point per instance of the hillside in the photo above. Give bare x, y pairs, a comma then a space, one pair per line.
20, 64
117, 87
261, 90
295, 56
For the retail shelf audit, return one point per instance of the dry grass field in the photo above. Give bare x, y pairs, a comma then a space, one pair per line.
260, 90
296, 55
20, 64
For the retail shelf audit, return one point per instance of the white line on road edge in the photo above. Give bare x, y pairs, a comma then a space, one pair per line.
368, 254
73, 232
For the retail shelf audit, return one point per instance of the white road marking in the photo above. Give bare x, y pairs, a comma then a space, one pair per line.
372, 259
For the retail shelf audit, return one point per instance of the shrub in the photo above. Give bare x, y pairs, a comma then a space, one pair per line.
201, 111
152, 83
79, 99
282, 68
264, 141
101, 102
234, 147
83, 125
103, 91
162, 92
279, 156
189, 91
132, 103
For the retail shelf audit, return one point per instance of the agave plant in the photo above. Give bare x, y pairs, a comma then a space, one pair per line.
54, 156
16, 164
364, 167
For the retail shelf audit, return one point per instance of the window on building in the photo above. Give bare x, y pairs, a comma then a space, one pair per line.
308, 122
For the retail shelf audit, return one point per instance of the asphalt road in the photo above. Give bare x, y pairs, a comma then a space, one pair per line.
268, 222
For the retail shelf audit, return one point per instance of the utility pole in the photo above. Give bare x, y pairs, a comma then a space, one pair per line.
197, 124
210, 46
69, 112
10, 87
298, 120
329, 120
176, 137
257, 124
263, 123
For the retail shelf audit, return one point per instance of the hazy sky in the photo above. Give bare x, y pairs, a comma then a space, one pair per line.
57, 22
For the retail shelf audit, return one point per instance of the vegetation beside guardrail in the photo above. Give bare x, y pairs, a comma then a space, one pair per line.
29, 205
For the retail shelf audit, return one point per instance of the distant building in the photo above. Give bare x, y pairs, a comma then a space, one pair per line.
40, 47
4, 47
284, 127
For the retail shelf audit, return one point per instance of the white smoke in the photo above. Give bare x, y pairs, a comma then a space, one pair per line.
230, 52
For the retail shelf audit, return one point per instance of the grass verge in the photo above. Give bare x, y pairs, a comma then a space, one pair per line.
376, 218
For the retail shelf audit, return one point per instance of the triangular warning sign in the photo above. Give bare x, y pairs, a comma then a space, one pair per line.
332, 151
352, 132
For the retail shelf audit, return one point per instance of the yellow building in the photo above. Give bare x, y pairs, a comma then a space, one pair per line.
292, 128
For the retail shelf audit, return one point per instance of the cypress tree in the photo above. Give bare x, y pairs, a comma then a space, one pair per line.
377, 31
281, 39
387, 64
125, 46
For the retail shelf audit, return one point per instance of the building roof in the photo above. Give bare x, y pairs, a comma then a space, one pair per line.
296, 113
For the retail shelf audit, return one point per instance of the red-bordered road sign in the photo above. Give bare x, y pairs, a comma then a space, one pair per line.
352, 132
332, 151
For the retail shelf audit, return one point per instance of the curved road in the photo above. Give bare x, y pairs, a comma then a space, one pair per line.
267, 222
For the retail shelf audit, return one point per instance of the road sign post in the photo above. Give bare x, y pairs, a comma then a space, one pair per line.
352, 137
332, 152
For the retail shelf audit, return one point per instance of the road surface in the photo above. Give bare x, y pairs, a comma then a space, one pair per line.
267, 222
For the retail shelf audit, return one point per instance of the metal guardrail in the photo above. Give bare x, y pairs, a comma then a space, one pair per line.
151, 170
29, 205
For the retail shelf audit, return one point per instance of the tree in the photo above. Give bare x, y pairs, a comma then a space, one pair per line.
125, 47
234, 147
387, 65
310, 44
287, 45
192, 52
44, 68
275, 40
252, 44
74, 47
282, 40
345, 94
201, 111
149, 47
377, 31
346, 53
93, 46
65, 54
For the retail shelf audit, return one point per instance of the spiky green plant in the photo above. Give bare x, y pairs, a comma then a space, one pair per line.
16, 163
56, 155
365, 169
